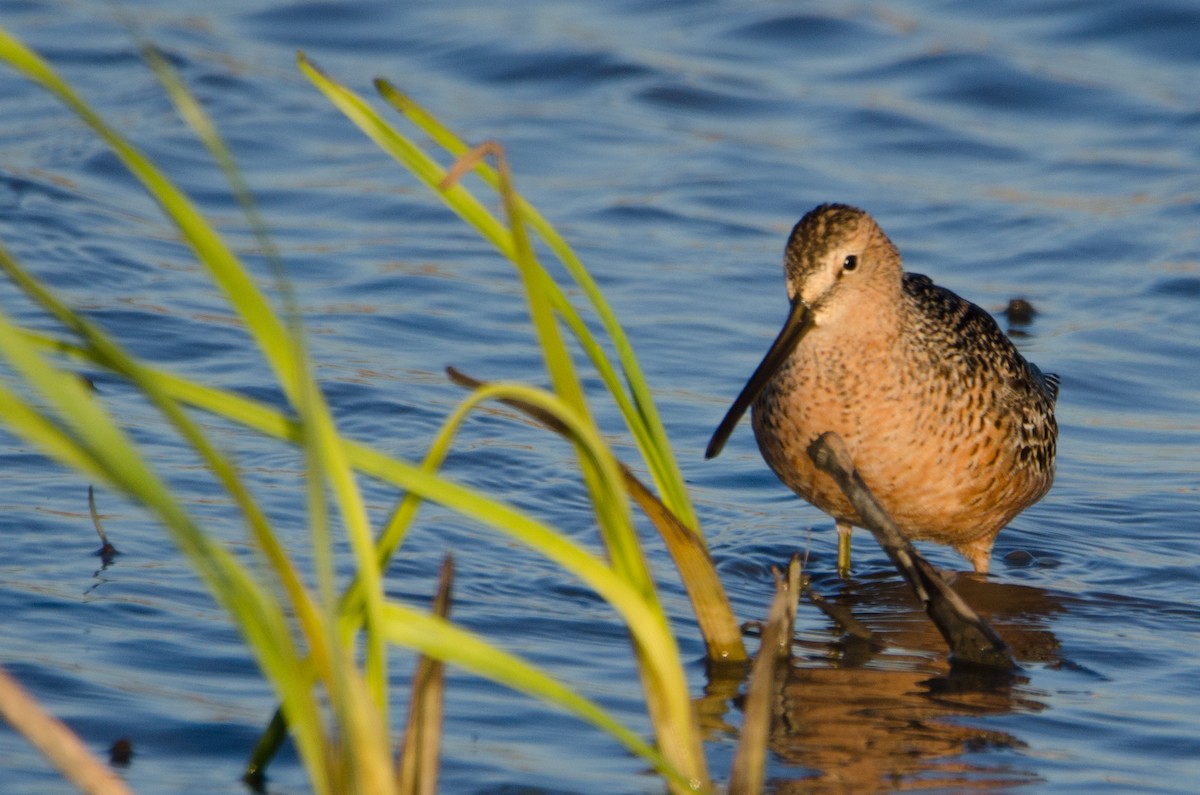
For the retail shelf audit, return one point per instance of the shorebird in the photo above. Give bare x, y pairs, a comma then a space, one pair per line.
950, 427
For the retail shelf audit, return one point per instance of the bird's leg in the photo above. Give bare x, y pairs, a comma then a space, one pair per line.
979, 553
843, 564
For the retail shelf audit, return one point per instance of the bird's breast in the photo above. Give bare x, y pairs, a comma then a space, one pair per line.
933, 443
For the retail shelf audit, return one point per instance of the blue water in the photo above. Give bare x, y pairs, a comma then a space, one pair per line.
1041, 149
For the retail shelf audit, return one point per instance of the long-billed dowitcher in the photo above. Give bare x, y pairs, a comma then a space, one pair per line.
951, 428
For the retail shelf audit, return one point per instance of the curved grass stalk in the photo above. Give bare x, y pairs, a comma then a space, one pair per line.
658, 659
710, 603
325, 458
659, 663
688, 550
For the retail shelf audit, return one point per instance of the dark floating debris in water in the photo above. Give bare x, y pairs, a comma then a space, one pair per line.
1019, 312
121, 752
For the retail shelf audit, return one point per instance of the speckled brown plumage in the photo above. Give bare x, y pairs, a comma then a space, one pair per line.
951, 428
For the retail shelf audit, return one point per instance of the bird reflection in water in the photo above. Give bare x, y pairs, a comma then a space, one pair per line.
858, 715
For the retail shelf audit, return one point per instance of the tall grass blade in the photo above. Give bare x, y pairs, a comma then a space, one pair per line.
713, 611
325, 460
641, 415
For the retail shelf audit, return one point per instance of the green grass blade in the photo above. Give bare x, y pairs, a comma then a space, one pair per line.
712, 607
659, 664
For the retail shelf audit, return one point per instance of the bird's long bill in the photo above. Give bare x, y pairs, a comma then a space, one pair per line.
799, 320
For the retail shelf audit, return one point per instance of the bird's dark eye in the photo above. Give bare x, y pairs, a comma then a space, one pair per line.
850, 263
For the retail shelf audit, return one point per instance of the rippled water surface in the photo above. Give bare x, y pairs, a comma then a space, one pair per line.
1044, 149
